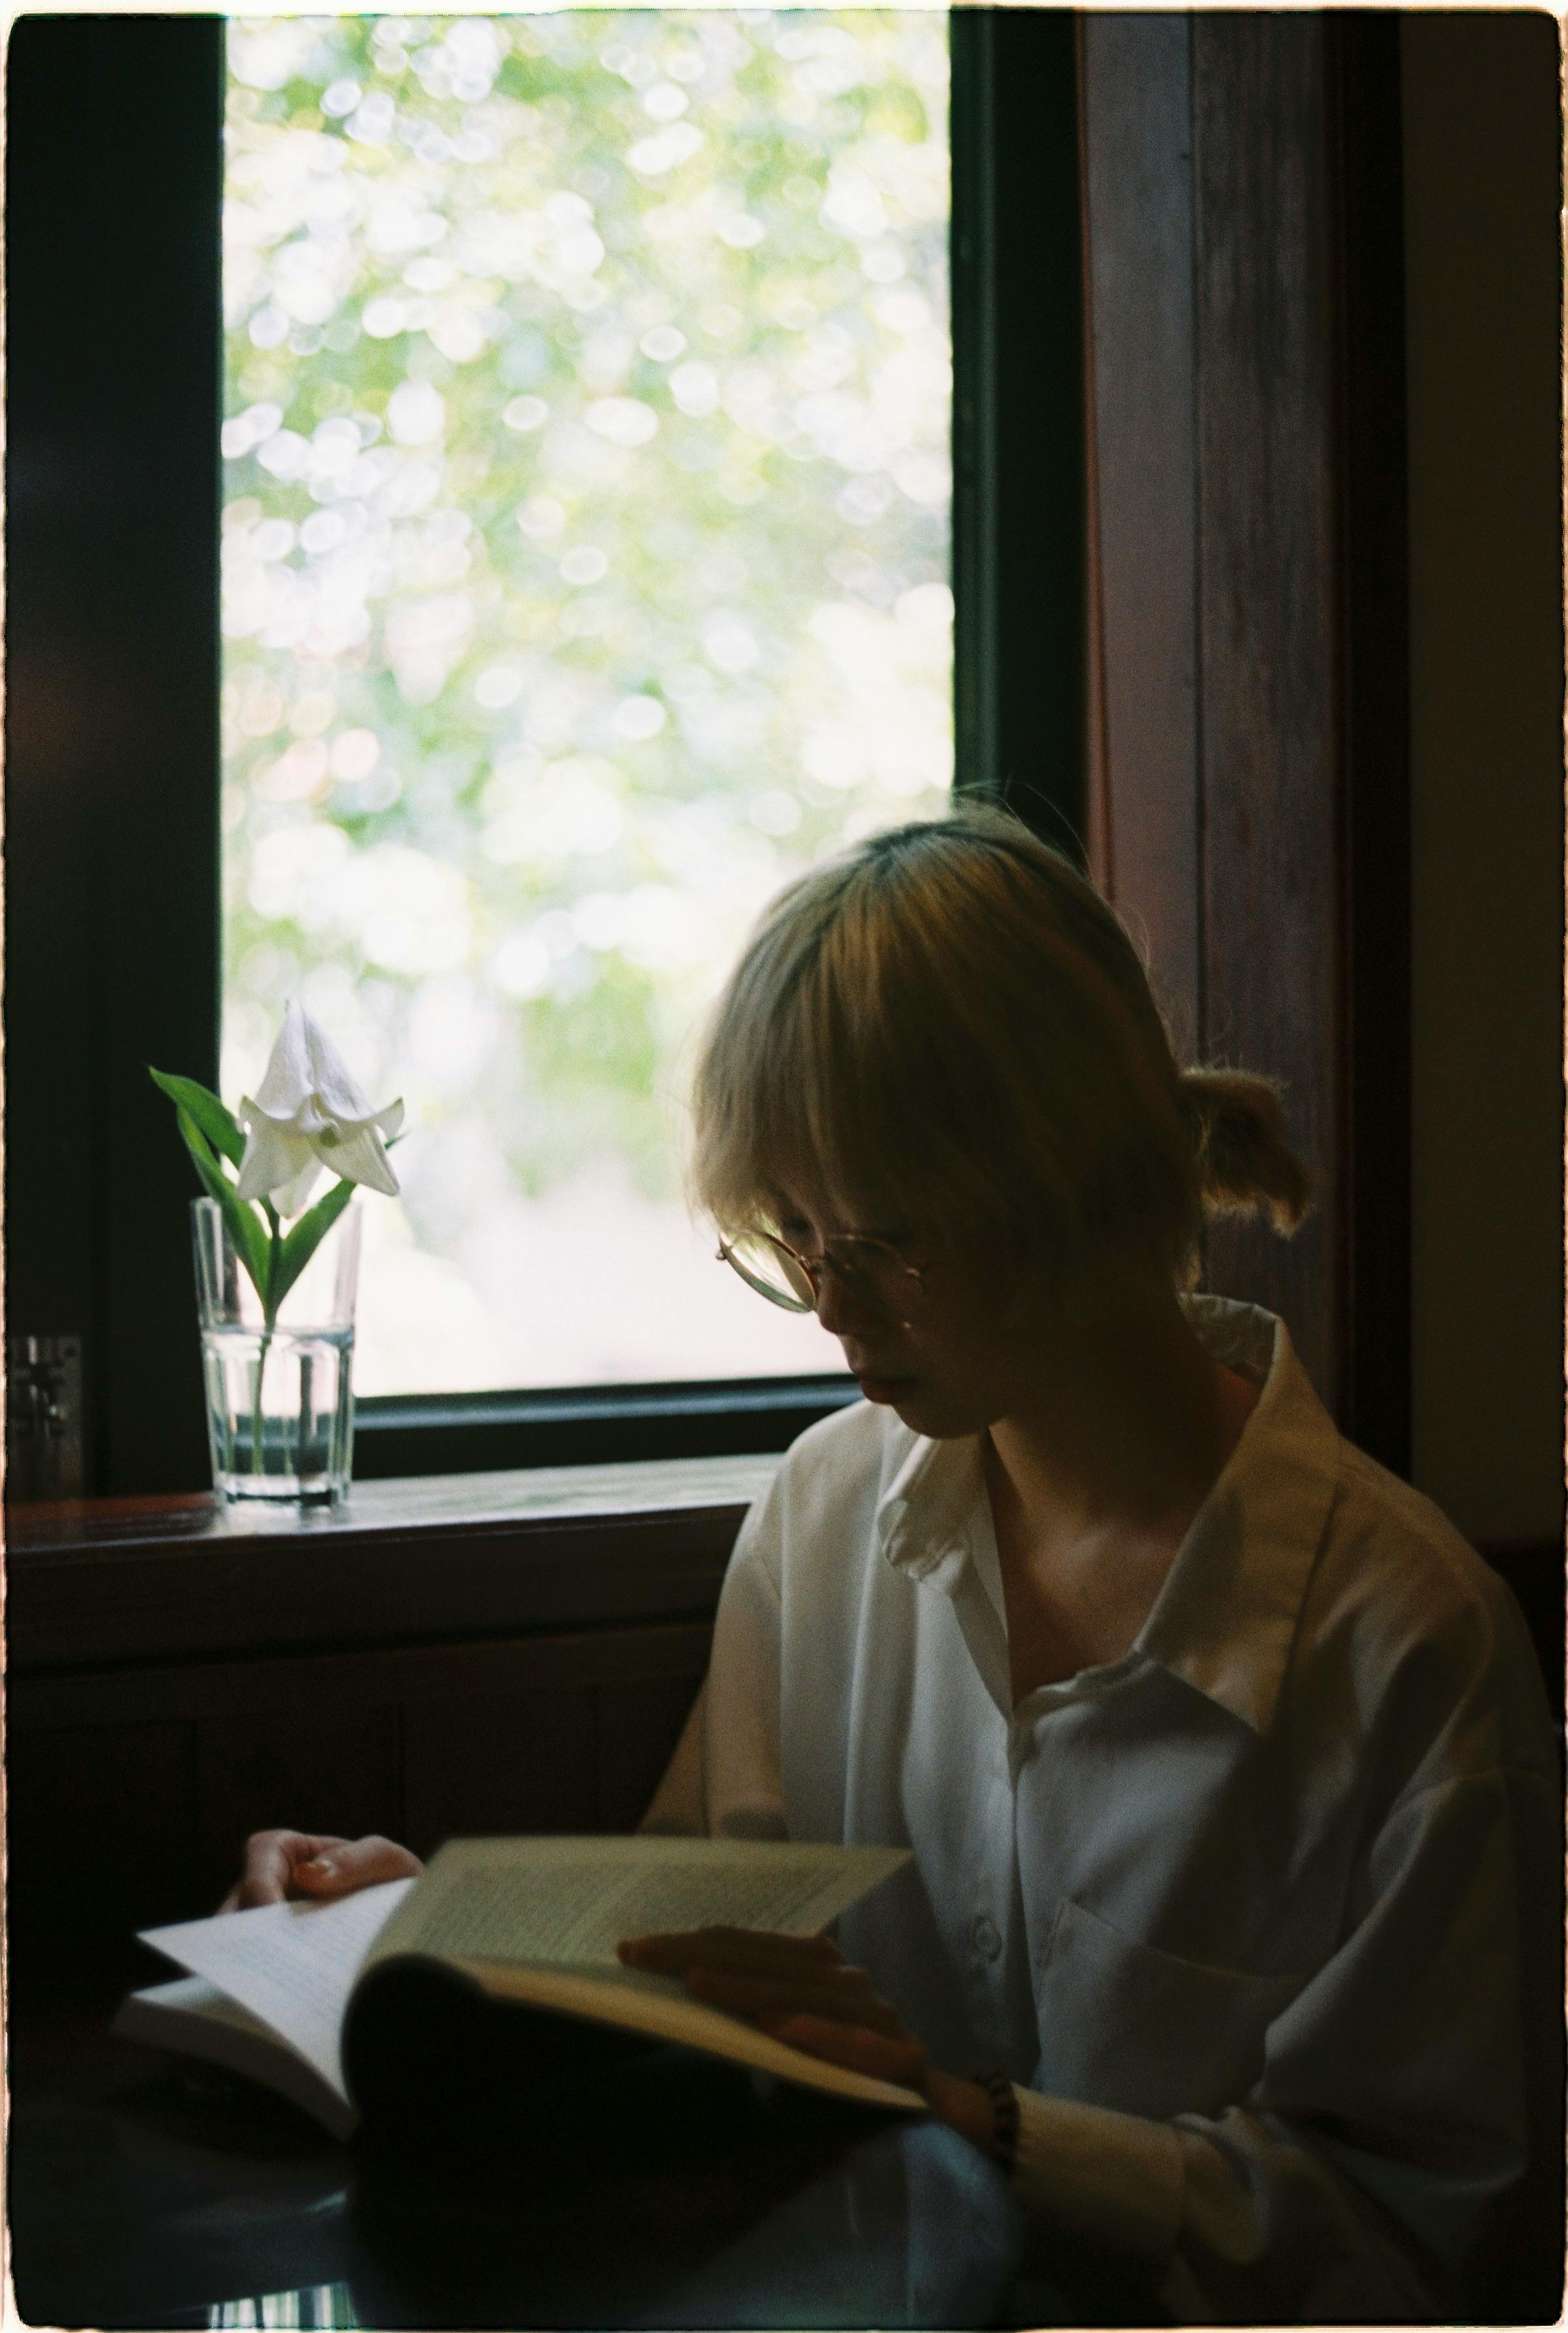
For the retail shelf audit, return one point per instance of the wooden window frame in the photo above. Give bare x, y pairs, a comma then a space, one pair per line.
112, 921
1249, 731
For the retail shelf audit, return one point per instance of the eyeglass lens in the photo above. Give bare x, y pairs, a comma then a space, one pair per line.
875, 1272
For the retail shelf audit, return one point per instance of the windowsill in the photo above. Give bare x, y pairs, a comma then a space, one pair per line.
427, 1558
101, 1584
431, 1501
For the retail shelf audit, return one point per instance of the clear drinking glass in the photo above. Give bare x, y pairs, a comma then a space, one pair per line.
280, 1402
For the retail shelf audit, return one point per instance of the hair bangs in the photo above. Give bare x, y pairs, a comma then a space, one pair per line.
806, 1093
946, 1033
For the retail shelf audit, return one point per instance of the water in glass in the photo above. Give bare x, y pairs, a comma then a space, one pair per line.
280, 1402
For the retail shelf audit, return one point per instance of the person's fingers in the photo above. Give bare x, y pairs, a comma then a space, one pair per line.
755, 1996
758, 1949
890, 2059
270, 1860
761, 1945
345, 1865
281, 1865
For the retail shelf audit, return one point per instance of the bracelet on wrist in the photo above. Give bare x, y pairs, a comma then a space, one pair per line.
1004, 2142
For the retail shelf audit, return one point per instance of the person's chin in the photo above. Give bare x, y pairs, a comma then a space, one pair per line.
919, 1405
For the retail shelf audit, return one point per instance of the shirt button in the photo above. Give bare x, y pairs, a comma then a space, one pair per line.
987, 1937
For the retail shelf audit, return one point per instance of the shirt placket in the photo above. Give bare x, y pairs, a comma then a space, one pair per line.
995, 1983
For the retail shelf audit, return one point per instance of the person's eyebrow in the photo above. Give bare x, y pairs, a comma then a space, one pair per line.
791, 1215
787, 1209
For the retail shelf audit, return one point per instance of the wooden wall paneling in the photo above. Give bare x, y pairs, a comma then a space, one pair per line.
353, 1680
130, 1790
1136, 85
637, 1724
517, 1759
1268, 621
1245, 270
557, 1734
310, 1762
99, 1833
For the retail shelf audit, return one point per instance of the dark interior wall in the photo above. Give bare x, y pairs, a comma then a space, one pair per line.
112, 389
1482, 150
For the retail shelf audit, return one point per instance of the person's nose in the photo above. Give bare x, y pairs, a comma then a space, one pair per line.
841, 1309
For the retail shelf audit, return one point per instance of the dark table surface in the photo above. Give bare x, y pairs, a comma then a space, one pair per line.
669, 2194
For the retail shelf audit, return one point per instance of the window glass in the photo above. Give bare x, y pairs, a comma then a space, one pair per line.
585, 574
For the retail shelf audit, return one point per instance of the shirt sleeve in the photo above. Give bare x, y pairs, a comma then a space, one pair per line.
1399, 2104
725, 1779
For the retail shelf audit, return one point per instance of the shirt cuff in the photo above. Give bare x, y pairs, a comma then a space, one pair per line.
1120, 2178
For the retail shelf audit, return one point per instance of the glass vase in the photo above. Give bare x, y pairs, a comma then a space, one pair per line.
280, 1401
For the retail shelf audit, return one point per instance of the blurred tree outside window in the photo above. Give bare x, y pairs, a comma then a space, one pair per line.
586, 576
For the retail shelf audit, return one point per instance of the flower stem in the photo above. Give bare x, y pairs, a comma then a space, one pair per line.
256, 1421
268, 1319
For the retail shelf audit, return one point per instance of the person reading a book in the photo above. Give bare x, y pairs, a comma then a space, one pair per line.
1224, 1763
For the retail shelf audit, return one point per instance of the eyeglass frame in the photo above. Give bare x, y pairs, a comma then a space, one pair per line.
812, 1268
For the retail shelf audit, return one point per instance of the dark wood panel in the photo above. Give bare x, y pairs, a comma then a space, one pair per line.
1245, 250
519, 1761
1138, 174
308, 1761
100, 1831
637, 1725
132, 1791
1268, 621
354, 1681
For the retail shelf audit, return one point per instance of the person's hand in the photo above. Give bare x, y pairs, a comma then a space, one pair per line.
799, 1989
802, 1991
295, 1865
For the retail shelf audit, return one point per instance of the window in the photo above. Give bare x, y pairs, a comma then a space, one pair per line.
113, 838
586, 575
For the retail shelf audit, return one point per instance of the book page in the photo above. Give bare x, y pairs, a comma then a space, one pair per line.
195, 1997
569, 1902
293, 1965
194, 2017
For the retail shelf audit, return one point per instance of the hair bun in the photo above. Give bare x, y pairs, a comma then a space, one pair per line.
1246, 1164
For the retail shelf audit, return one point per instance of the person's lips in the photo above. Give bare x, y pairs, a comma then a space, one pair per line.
881, 1389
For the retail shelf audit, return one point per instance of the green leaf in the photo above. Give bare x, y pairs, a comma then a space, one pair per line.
217, 1122
298, 1246
252, 1244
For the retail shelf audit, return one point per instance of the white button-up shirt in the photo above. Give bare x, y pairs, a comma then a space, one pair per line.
1255, 1917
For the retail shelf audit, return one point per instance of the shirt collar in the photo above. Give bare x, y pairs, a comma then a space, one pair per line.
1225, 1617
925, 1517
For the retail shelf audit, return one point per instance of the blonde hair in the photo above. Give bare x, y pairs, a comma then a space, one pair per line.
946, 1032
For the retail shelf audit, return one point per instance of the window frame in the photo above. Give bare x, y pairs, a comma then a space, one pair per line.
113, 849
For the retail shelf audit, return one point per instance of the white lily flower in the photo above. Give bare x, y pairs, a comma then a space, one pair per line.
307, 1113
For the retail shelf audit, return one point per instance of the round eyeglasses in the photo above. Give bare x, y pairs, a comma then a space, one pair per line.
869, 1268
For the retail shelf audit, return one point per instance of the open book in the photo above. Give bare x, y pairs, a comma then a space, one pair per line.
503, 1954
